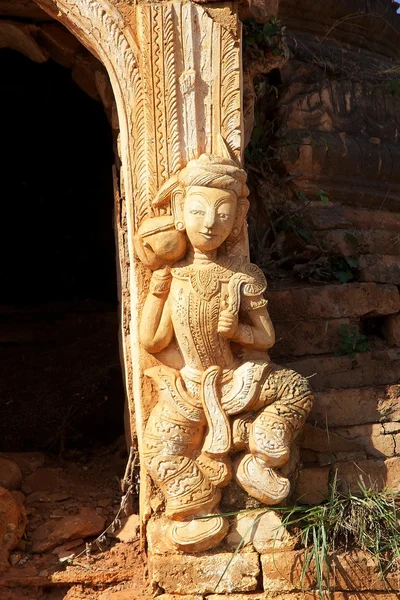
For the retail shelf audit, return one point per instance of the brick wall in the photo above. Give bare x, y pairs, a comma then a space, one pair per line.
338, 117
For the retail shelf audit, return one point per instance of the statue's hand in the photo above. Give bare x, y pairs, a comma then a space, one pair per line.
227, 323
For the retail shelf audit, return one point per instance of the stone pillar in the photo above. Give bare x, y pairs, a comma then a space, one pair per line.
176, 75
211, 411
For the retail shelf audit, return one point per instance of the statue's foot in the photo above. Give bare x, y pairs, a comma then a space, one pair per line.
270, 440
198, 535
260, 481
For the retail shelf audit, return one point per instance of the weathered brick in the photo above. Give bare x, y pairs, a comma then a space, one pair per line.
340, 408
156, 535
372, 438
376, 367
391, 329
333, 302
262, 529
373, 473
312, 485
350, 571
307, 337
381, 269
369, 242
372, 219
323, 440
329, 458
329, 216
391, 427
164, 597
200, 573
295, 596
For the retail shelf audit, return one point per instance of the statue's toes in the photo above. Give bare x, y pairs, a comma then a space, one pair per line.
260, 481
198, 535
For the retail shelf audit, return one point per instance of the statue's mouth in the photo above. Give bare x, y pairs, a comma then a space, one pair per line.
208, 236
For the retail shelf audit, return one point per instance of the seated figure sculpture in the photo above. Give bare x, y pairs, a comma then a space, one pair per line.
229, 411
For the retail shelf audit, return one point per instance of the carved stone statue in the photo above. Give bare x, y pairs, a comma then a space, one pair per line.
228, 398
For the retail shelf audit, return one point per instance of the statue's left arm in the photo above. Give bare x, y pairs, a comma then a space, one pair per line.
245, 320
258, 332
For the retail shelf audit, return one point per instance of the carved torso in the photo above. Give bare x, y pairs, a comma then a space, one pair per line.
198, 294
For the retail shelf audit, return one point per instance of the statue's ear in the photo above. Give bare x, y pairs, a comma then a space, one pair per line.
177, 202
241, 212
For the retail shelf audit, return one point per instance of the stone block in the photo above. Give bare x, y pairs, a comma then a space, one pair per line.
358, 406
83, 73
350, 571
373, 473
377, 367
55, 532
323, 440
327, 217
28, 462
243, 528
271, 536
10, 474
129, 530
372, 437
44, 480
156, 535
303, 595
391, 427
381, 269
176, 597
369, 242
21, 38
391, 329
375, 219
307, 337
329, 458
132, 594
262, 529
282, 572
312, 485
200, 573
332, 302
12, 525
314, 595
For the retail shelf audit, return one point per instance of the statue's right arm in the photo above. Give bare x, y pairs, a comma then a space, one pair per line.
156, 330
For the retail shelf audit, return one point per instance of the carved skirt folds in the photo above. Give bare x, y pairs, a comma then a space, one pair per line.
277, 402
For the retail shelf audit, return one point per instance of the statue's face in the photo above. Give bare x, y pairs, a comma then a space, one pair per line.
209, 216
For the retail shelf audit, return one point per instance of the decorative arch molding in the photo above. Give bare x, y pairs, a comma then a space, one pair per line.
176, 73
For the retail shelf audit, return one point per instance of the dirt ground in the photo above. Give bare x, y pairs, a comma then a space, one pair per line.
54, 489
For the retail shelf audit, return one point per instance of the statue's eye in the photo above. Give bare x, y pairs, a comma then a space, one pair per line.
223, 216
197, 212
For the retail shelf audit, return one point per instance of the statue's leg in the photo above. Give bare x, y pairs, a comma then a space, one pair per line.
287, 399
170, 443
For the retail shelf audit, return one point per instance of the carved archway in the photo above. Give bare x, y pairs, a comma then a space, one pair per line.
176, 74
175, 70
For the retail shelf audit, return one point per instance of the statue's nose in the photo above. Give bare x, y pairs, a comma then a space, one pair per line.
209, 220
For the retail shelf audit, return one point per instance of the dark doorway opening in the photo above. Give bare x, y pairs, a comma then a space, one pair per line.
60, 377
